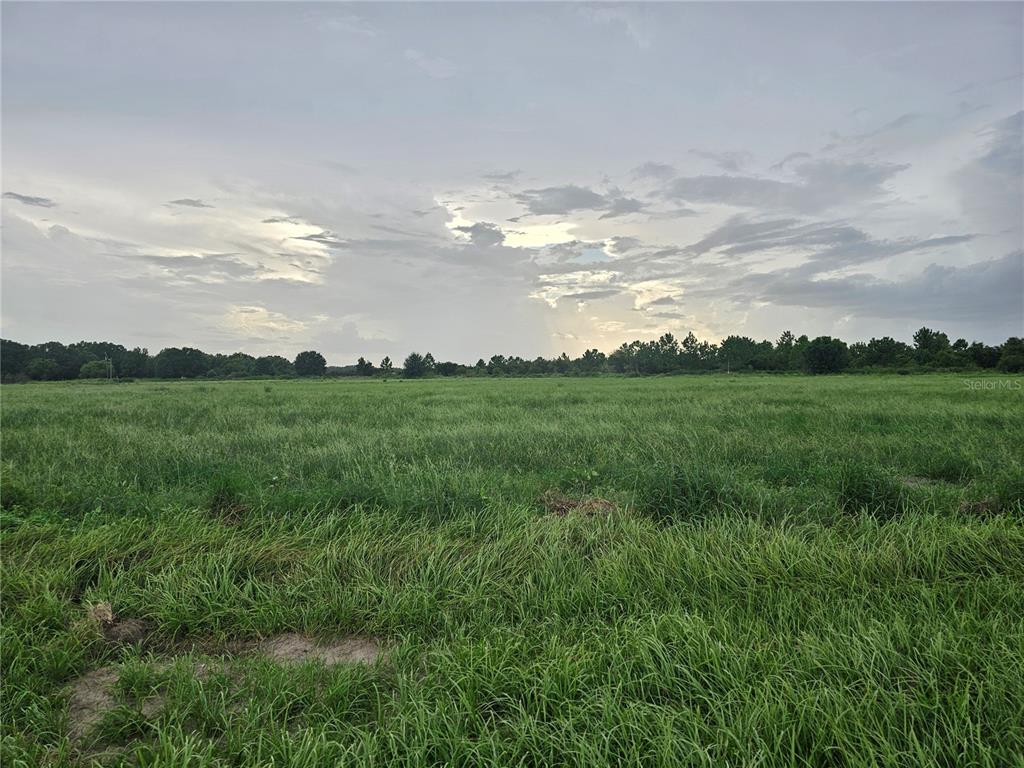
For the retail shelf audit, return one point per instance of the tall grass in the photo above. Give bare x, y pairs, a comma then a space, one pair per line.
796, 571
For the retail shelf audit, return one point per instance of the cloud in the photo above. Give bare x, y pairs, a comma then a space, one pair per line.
325, 238
984, 291
662, 301
991, 185
282, 220
790, 158
506, 177
559, 201
622, 206
727, 161
831, 245
41, 202
190, 202
483, 233
258, 322
822, 184
653, 170
620, 244
590, 295
434, 66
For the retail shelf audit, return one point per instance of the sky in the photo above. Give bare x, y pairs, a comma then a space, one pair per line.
508, 178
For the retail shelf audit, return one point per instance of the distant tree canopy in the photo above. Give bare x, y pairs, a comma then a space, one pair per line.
94, 369
826, 355
363, 367
310, 364
274, 365
931, 350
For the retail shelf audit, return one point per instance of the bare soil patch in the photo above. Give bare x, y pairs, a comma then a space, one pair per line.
983, 507
94, 693
560, 505
294, 648
91, 696
914, 481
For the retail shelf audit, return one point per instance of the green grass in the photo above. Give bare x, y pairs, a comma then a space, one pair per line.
797, 571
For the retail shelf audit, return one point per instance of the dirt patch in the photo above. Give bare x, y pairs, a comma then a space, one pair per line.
293, 648
560, 505
983, 507
913, 481
119, 630
91, 697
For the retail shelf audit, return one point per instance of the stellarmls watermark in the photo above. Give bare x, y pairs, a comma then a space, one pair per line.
1014, 385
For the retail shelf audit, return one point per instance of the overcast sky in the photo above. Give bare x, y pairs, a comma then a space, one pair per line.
514, 178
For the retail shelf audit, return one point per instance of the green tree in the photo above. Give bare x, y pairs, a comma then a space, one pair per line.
94, 369
928, 344
1011, 359
42, 369
386, 367
415, 366
273, 365
310, 363
364, 367
826, 355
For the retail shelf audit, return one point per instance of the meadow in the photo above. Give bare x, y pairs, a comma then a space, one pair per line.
679, 571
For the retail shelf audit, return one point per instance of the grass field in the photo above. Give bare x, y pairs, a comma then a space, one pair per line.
714, 571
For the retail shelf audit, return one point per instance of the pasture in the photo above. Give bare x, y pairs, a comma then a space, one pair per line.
704, 570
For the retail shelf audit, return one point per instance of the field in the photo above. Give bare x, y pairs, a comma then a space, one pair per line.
713, 571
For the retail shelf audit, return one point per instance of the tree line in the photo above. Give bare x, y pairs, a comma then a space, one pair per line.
931, 350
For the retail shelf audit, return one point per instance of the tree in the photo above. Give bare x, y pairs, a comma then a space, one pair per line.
42, 369
186, 362
414, 366
94, 369
826, 355
364, 367
310, 363
738, 352
983, 355
592, 361
928, 344
239, 365
386, 367
274, 365
1011, 359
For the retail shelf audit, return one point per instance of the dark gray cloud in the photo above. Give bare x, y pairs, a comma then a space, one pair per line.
190, 202
822, 184
506, 177
559, 201
621, 244
41, 202
282, 220
653, 170
325, 237
727, 161
483, 233
622, 206
832, 244
604, 293
564, 200
984, 291
662, 301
